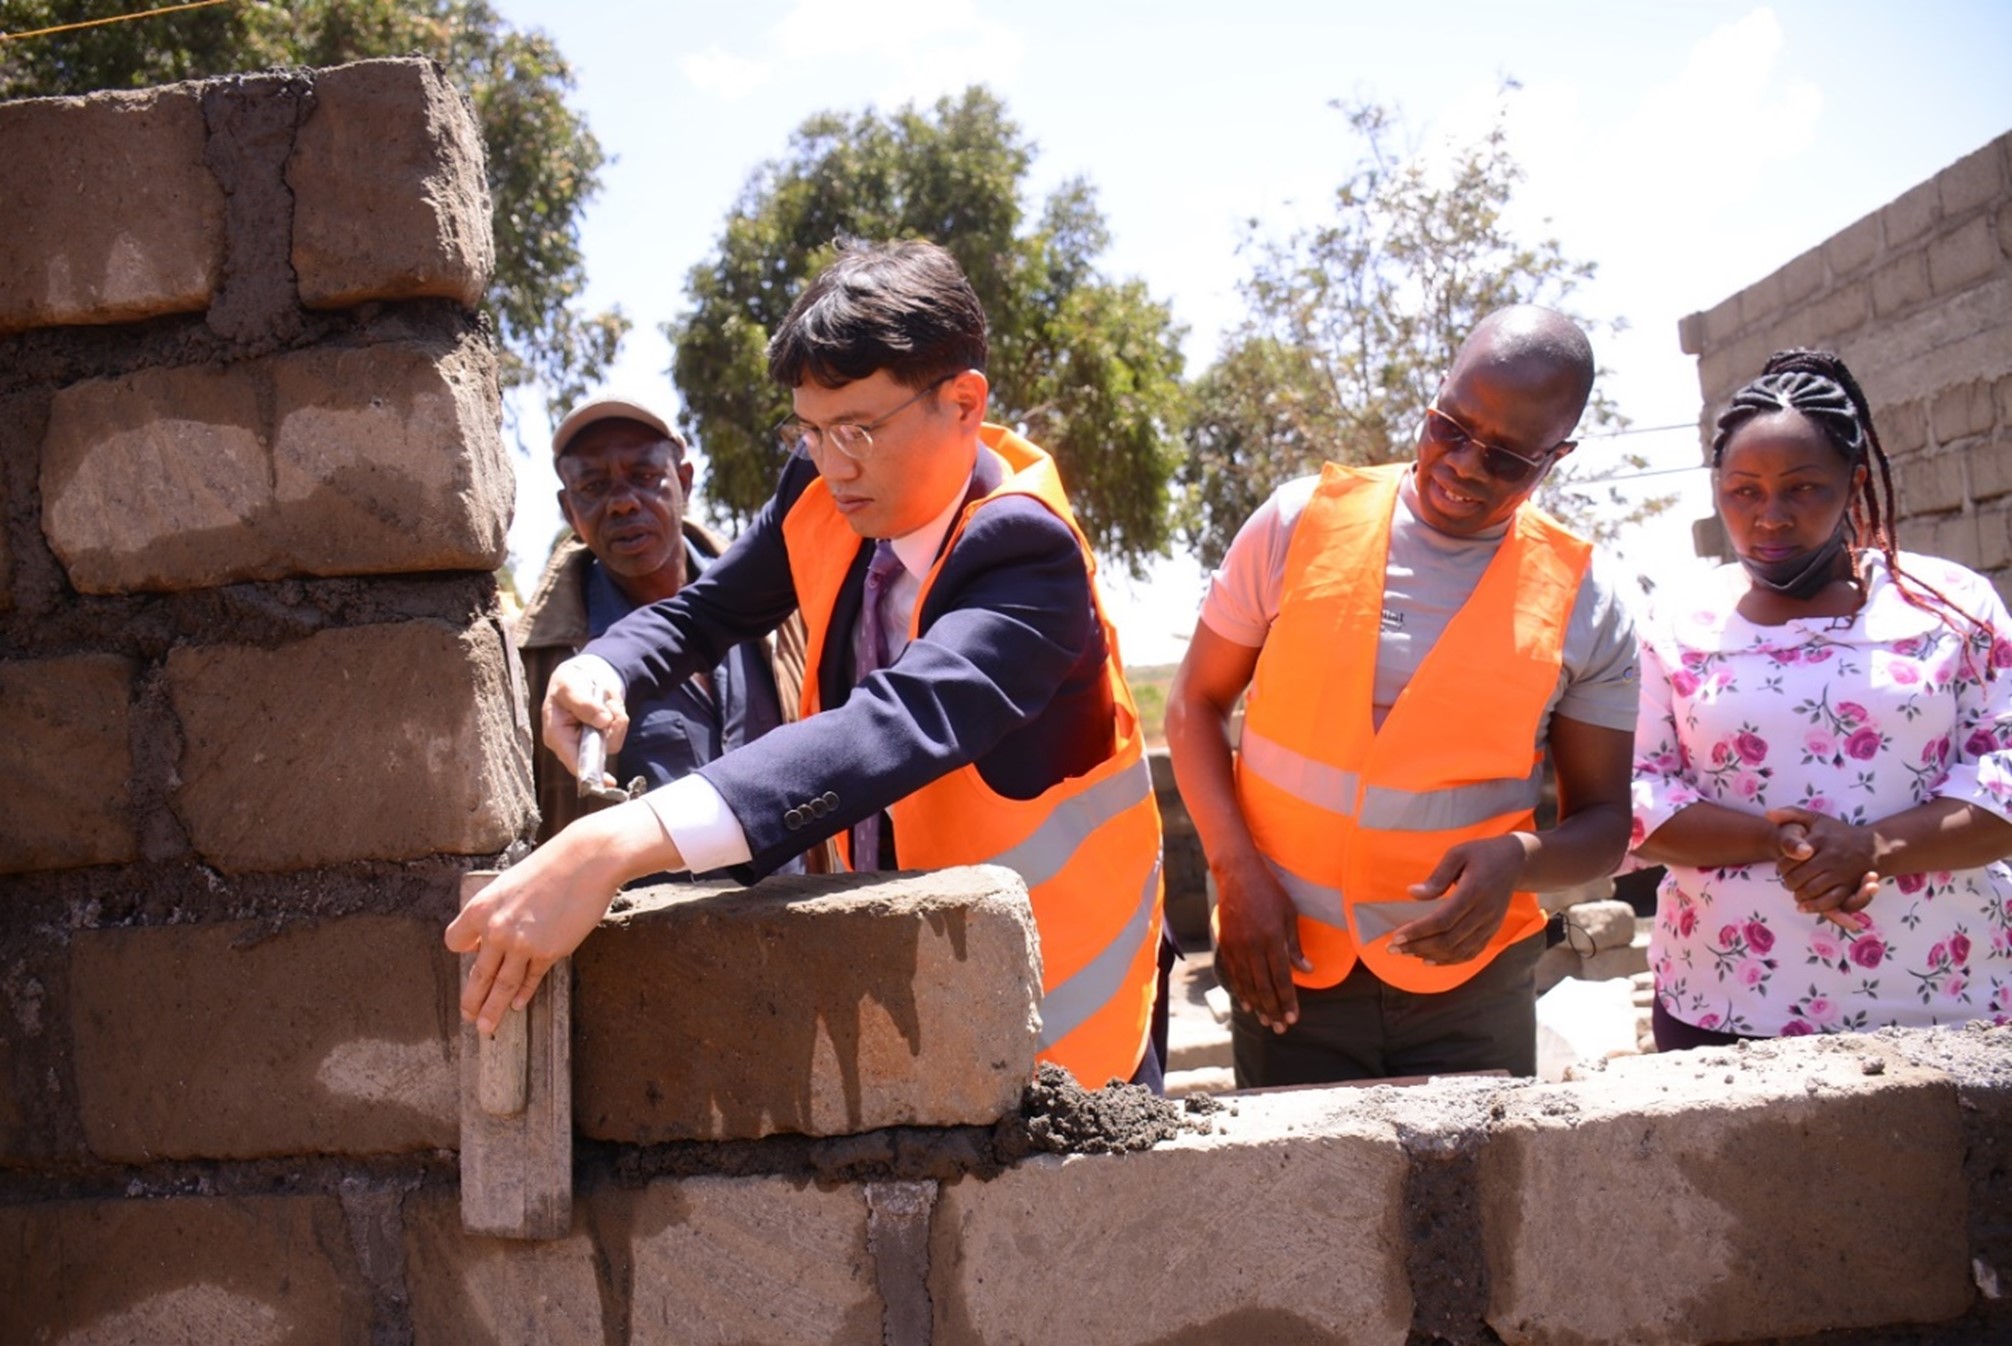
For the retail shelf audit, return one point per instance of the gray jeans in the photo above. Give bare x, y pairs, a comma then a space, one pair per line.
1365, 1029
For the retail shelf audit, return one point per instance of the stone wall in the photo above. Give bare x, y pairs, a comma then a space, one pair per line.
256, 721
1917, 298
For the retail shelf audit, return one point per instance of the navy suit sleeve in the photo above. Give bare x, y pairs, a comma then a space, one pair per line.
743, 595
1006, 622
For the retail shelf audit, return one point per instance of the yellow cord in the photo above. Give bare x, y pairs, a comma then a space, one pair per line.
116, 18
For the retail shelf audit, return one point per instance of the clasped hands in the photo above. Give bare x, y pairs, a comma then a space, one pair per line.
1827, 864
1257, 928
539, 910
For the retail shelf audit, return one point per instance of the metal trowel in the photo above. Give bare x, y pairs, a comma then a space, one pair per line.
592, 769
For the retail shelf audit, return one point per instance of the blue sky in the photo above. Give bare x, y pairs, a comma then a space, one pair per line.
1687, 147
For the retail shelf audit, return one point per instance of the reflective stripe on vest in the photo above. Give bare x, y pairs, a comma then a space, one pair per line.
1054, 843
1066, 1006
1333, 788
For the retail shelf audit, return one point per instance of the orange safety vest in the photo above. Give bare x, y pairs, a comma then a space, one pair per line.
1088, 848
1347, 814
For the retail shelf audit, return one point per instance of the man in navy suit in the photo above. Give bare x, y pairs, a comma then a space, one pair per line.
963, 701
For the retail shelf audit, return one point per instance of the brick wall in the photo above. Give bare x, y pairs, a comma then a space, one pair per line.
256, 714
1917, 298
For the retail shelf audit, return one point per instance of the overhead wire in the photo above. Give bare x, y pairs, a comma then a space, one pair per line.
111, 18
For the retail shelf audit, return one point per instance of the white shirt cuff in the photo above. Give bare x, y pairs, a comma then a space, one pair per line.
699, 823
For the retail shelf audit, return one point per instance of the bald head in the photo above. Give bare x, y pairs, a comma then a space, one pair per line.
1538, 351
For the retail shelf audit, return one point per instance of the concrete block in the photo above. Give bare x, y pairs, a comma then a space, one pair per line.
107, 212
1286, 1224
1788, 1188
150, 480
1802, 278
390, 197
1900, 285
1911, 215
66, 756
1852, 248
902, 1001
1960, 259
1902, 426
1601, 925
1691, 333
468, 1290
207, 1041
1844, 310
1972, 182
181, 1269
334, 461
1722, 370
1722, 321
1991, 467
1761, 303
1953, 537
721, 1261
1979, 1059
1608, 964
1994, 537
1927, 483
389, 458
364, 743
1965, 410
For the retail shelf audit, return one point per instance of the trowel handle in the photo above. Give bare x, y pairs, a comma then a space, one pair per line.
592, 764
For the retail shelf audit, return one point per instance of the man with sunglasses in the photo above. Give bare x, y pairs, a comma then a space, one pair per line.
1414, 639
963, 702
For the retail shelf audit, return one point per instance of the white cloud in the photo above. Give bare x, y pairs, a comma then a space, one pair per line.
718, 71
910, 49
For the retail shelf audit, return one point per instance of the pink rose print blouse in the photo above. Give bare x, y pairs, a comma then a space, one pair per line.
1858, 718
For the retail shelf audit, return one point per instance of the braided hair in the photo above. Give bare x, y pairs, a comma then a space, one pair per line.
1818, 386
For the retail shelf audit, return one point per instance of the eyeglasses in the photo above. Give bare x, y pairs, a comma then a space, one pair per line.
851, 438
1505, 465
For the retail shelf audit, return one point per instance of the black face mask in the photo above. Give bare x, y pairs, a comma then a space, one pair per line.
1803, 575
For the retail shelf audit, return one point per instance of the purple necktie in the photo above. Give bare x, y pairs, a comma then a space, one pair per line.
869, 654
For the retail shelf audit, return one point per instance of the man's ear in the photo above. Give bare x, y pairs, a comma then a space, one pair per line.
566, 510
969, 392
684, 470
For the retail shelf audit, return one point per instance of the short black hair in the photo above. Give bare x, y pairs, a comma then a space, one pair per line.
903, 307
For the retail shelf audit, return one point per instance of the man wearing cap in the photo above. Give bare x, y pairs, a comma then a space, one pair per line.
624, 479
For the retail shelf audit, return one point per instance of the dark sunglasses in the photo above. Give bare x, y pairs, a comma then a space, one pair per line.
1505, 465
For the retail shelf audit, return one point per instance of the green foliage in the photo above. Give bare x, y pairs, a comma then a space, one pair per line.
1087, 368
543, 161
1352, 322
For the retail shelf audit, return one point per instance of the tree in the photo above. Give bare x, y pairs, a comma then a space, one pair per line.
1086, 367
1352, 323
543, 161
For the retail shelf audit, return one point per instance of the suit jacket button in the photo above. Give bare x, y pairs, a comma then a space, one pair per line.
818, 808
793, 819
830, 800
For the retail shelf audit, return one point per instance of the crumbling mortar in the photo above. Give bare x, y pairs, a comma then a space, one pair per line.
86, 1179
251, 122
41, 910
1445, 1258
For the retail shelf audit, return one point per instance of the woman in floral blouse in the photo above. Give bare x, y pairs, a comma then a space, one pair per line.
1824, 758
